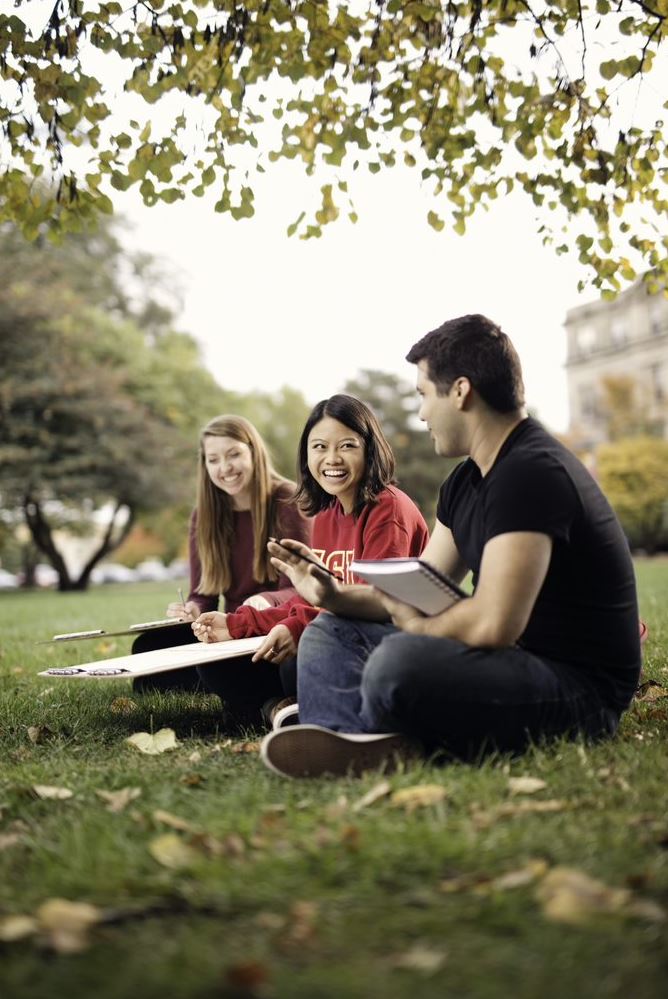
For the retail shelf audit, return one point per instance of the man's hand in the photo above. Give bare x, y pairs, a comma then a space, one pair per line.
403, 615
278, 646
211, 627
312, 583
187, 612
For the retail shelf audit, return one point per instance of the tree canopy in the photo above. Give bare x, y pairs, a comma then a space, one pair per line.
555, 98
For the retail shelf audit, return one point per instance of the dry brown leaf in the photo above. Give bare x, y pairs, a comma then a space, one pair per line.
419, 957
245, 747
123, 706
377, 792
38, 733
174, 821
153, 745
301, 921
247, 977
118, 800
350, 837
47, 791
171, 851
192, 780
65, 925
13, 928
419, 796
651, 690
525, 785
464, 882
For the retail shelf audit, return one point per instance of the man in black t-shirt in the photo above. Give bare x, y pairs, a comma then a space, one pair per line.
548, 644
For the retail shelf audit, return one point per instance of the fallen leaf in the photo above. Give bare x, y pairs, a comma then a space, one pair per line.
301, 921
38, 733
270, 921
247, 977
174, 821
571, 896
192, 780
122, 706
418, 796
526, 785
65, 924
47, 791
171, 851
9, 839
350, 837
153, 745
377, 792
651, 690
245, 747
420, 958
195, 757
519, 878
13, 928
118, 800
484, 819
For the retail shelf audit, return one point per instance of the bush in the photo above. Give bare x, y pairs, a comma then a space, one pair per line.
633, 474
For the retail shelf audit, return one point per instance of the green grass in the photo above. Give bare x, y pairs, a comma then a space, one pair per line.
306, 895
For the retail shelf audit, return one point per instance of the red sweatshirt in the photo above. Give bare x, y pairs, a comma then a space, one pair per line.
392, 527
291, 524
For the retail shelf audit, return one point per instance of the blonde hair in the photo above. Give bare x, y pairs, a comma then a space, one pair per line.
215, 511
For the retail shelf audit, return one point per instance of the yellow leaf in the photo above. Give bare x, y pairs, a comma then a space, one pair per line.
420, 958
170, 851
153, 745
418, 796
122, 706
65, 924
570, 896
532, 870
17, 928
47, 791
118, 800
525, 785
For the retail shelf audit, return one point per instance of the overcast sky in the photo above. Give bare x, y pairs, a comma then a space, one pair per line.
271, 310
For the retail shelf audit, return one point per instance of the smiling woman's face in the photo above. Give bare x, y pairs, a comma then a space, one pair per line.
229, 465
336, 460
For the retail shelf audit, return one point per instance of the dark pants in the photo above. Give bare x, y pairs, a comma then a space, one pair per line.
243, 686
359, 676
185, 679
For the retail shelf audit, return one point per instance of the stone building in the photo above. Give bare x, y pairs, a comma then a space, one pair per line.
623, 339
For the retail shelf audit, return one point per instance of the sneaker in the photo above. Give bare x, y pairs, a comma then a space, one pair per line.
312, 751
274, 706
286, 715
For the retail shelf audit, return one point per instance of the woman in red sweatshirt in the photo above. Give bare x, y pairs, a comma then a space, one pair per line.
346, 473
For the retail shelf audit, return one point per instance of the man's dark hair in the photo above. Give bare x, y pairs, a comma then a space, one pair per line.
473, 347
379, 471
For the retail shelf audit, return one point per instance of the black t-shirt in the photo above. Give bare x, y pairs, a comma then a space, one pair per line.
586, 613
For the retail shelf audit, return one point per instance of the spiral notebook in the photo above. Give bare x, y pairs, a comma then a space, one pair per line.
411, 580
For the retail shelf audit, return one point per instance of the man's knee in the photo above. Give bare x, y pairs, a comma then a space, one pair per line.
390, 669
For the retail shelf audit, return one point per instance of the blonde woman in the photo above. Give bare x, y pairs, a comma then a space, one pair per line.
241, 502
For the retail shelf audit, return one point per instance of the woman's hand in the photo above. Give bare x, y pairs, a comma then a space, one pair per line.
278, 646
187, 612
211, 627
313, 584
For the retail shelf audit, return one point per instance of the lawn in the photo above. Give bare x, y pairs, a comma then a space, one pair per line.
211, 877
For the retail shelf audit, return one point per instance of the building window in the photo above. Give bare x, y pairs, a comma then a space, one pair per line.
585, 339
618, 333
658, 314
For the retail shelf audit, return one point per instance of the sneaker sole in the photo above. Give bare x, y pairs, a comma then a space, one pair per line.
313, 751
289, 715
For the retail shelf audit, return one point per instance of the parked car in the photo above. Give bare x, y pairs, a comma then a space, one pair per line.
152, 569
8, 581
112, 572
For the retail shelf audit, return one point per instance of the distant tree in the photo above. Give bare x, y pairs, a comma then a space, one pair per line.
420, 471
626, 410
96, 412
633, 474
477, 98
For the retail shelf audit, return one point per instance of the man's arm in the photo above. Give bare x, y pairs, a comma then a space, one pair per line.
441, 552
512, 572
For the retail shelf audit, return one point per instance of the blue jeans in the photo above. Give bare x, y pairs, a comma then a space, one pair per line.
360, 676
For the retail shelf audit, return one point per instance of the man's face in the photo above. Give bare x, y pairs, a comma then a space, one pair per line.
441, 414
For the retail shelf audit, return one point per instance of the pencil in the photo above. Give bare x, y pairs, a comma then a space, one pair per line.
312, 561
